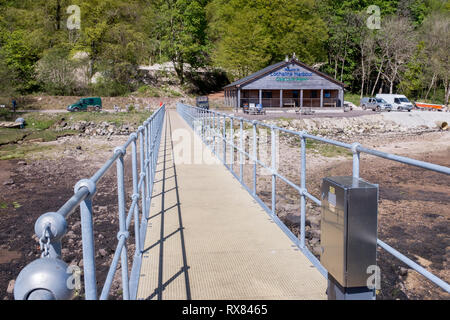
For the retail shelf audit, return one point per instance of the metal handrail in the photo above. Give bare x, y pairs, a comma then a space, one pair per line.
149, 137
211, 126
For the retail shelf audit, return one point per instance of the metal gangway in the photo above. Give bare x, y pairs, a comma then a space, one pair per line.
199, 231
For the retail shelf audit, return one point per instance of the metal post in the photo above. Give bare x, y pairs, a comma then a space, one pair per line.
214, 133
142, 163
151, 163
137, 239
147, 160
87, 238
303, 188
255, 156
356, 157
122, 222
274, 168
232, 143
224, 140
241, 154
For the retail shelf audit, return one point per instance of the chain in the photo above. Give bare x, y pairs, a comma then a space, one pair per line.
44, 241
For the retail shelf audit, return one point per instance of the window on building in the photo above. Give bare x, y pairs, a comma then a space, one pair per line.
314, 94
267, 94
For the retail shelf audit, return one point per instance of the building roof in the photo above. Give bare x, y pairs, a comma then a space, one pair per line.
263, 72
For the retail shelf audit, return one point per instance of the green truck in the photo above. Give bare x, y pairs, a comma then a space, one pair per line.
86, 104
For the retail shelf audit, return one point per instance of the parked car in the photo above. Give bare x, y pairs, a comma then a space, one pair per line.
86, 104
202, 102
375, 104
399, 102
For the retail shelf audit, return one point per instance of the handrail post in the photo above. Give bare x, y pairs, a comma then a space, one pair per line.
356, 156
255, 156
303, 188
142, 164
152, 135
137, 239
147, 170
122, 221
274, 169
232, 143
214, 133
87, 238
241, 146
224, 140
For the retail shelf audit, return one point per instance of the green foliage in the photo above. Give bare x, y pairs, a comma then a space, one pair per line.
266, 31
414, 77
38, 53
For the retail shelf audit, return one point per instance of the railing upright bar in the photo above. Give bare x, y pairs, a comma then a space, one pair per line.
274, 170
87, 238
135, 196
146, 163
142, 174
356, 158
213, 132
241, 146
255, 156
302, 194
122, 222
232, 144
224, 140
151, 158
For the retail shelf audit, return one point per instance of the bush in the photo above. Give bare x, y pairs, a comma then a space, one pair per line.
108, 88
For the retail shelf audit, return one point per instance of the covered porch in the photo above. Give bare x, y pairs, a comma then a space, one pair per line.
316, 98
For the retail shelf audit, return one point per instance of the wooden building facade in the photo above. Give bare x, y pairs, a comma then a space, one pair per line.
289, 83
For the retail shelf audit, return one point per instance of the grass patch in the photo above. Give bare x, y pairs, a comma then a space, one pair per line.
136, 117
353, 98
19, 152
11, 135
39, 122
327, 150
3, 205
49, 135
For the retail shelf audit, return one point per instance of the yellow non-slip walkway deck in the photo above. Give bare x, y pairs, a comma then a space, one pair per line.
208, 239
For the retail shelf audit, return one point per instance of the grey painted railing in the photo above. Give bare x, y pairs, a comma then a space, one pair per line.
214, 127
49, 277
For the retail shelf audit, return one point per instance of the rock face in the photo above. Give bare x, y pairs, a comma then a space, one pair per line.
90, 128
373, 124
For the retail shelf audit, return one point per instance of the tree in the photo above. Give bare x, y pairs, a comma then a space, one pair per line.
396, 40
436, 33
249, 35
20, 57
181, 26
244, 47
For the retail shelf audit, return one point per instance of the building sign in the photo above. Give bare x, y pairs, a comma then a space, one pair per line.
291, 75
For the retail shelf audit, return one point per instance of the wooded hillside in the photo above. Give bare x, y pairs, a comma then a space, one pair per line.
44, 48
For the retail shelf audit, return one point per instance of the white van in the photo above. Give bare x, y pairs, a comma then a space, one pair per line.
399, 102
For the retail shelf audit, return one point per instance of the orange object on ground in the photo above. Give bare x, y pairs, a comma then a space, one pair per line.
429, 105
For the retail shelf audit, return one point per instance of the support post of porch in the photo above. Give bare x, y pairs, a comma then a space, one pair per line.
301, 98
281, 98
321, 98
239, 98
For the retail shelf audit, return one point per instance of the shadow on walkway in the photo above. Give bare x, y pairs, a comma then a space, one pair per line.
169, 220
